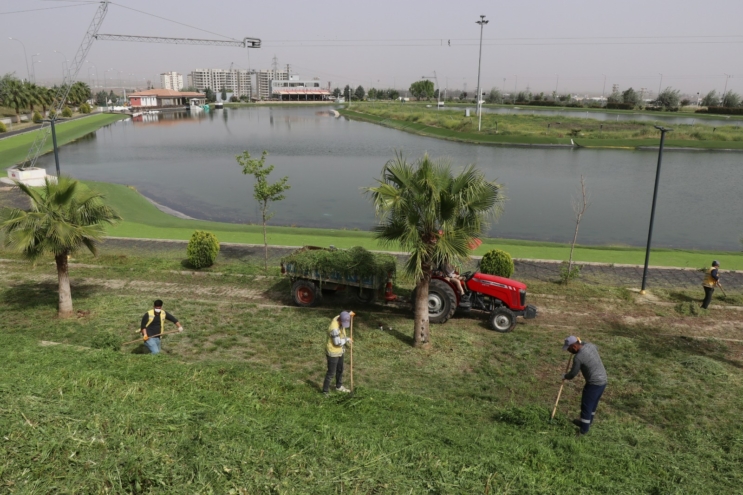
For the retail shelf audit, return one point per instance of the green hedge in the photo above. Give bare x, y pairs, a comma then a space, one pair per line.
723, 110
497, 262
3, 128
203, 249
66, 112
84, 108
620, 106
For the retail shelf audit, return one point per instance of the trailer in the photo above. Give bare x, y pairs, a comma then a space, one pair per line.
309, 284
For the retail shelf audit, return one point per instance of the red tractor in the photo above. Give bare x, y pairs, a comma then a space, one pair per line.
503, 298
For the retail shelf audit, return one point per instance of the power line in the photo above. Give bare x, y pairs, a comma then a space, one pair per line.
171, 20
43, 8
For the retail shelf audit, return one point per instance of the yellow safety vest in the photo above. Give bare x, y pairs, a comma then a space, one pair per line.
335, 330
151, 317
709, 280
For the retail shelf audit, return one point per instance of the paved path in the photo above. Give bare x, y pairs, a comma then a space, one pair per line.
543, 270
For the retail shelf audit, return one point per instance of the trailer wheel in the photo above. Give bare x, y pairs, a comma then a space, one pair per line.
364, 296
442, 302
306, 293
502, 320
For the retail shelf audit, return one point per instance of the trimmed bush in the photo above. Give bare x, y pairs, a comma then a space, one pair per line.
84, 108
52, 113
36, 118
3, 128
724, 110
497, 262
66, 112
203, 249
620, 106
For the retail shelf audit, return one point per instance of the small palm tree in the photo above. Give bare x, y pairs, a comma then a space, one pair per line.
64, 216
435, 215
16, 96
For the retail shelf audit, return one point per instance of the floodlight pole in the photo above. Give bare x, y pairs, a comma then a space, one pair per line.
663, 131
482, 23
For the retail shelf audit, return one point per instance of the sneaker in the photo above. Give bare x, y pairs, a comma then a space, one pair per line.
342, 389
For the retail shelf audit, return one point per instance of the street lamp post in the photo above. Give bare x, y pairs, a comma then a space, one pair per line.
660, 84
663, 131
482, 23
724, 91
25, 56
66, 71
33, 65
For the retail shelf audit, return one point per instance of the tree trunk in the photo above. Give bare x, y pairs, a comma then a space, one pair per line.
421, 333
65, 294
265, 239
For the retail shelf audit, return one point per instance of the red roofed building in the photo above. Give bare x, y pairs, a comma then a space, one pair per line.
165, 98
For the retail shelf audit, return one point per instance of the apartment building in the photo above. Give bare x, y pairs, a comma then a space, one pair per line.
171, 80
235, 81
264, 80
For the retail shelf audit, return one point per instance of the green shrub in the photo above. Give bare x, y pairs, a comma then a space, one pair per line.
66, 112
565, 275
3, 128
84, 108
36, 118
52, 113
203, 249
497, 262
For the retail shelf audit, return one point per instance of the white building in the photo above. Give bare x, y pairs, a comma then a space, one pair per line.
264, 79
296, 89
235, 81
171, 80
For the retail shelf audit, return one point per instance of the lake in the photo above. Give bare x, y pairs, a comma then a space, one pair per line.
188, 163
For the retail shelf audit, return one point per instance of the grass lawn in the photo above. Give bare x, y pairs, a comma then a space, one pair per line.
14, 149
142, 219
233, 406
541, 129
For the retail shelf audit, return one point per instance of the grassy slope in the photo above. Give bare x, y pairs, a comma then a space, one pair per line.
234, 405
13, 149
527, 129
142, 219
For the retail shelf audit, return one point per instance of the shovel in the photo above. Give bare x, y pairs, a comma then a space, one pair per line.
141, 340
567, 368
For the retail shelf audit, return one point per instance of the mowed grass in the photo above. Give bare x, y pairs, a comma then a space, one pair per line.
144, 220
233, 406
542, 129
13, 149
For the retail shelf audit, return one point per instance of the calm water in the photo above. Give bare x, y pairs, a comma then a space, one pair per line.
189, 165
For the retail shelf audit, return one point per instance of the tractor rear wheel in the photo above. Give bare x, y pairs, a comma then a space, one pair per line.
306, 294
502, 320
442, 302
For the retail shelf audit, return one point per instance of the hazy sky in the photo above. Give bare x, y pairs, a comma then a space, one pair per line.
382, 42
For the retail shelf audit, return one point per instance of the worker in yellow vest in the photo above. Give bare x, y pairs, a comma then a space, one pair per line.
711, 280
334, 350
152, 326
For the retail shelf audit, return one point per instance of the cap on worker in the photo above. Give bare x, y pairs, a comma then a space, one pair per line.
345, 319
570, 341
715, 263
158, 303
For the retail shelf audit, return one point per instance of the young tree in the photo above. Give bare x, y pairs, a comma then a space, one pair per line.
580, 205
463, 95
337, 92
223, 94
630, 97
64, 216
711, 99
209, 95
360, 93
393, 94
435, 215
422, 89
669, 98
372, 94
263, 191
731, 100
494, 96
615, 97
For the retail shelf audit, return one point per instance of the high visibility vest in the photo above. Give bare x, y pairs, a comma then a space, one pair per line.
151, 317
335, 330
709, 280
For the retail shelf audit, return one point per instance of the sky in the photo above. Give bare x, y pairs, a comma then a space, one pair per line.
577, 46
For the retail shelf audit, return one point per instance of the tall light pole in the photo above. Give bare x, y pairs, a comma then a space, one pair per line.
603, 91
65, 69
724, 91
90, 78
515, 85
482, 23
660, 84
33, 65
25, 56
557, 82
663, 131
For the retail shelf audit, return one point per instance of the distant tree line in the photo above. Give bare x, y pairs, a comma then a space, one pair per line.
24, 96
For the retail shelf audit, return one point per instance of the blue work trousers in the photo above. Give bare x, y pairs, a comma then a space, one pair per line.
588, 404
153, 344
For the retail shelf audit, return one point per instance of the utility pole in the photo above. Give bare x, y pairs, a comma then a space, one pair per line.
660, 84
603, 91
724, 91
25, 56
663, 131
482, 23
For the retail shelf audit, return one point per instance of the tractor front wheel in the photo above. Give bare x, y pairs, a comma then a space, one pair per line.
502, 320
306, 294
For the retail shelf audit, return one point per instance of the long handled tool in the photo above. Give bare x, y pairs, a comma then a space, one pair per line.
723, 290
352, 315
567, 368
141, 340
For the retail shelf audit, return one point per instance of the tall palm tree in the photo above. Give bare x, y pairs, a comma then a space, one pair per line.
16, 96
435, 215
41, 97
64, 217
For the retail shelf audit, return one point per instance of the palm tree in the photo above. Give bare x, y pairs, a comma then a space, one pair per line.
435, 215
64, 216
41, 97
16, 96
